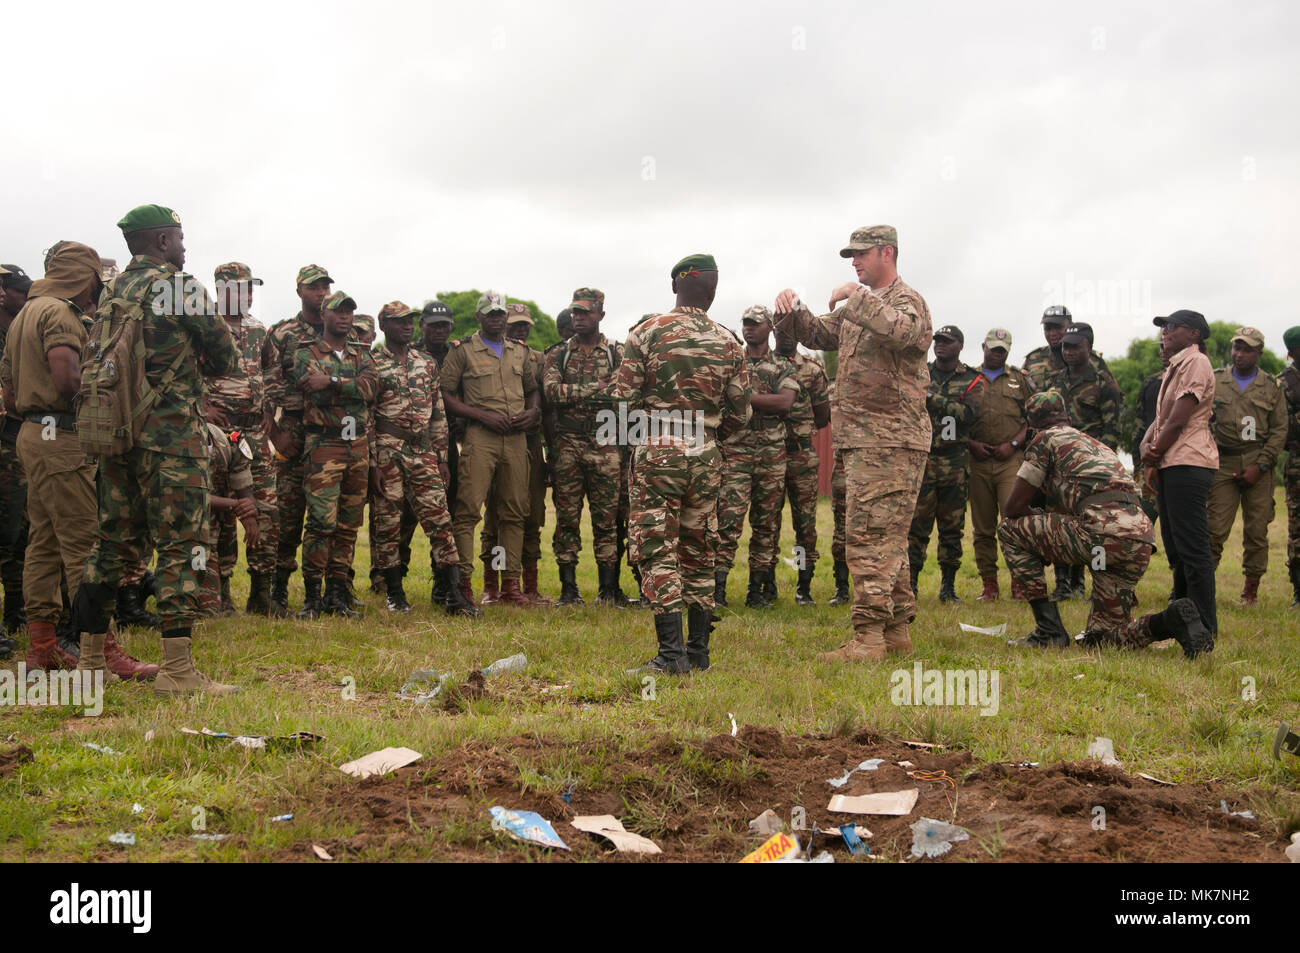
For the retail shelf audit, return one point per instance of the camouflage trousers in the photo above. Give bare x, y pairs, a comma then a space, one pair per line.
1117, 564
801, 473
838, 507
880, 492
153, 499
411, 482
942, 500
1292, 477
493, 470
289, 496
530, 550
1257, 512
625, 481
753, 480
674, 517
13, 518
585, 468
335, 477
62, 508
260, 559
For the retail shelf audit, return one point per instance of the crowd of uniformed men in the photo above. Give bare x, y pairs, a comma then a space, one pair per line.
291, 431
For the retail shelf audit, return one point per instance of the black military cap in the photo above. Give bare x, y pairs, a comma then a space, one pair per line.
1187, 319
435, 311
1077, 333
1057, 314
951, 331
17, 278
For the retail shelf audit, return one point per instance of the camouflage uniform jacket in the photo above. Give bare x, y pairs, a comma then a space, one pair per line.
228, 468
573, 374
814, 391
1263, 403
882, 377
242, 393
408, 399
1070, 467
768, 374
1289, 380
1042, 362
278, 358
953, 402
1148, 395
353, 398
682, 361
175, 426
1093, 402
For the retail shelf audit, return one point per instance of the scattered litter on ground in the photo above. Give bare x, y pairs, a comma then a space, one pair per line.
137, 808
894, 803
777, 847
1155, 779
504, 666
424, 685
998, 630
380, 762
853, 840
297, 739
1285, 740
1079, 676
209, 837
931, 838
1103, 749
123, 838
906, 765
282, 817
9, 760
102, 749
611, 828
921, 744
550, 689
567, 796
527, 826
1293, 852
321, 852
766, 824
869, 765
734, 729
938, 777
1223, 805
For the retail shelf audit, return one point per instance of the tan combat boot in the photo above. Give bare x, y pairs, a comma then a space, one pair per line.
178, 676
92, 656
898, 637
868, 645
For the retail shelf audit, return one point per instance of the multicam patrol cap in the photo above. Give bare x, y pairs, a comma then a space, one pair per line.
309, 273
951, 331
396, 309
1044, 406
435, 312
235, 271
490, 301
1057, 314
998, 337
1252, 336
339, 301
1077, 333
588, 299
756, 314
148, 216
519, 313
870, 237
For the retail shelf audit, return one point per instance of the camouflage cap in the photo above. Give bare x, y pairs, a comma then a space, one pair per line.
435, 312
998, 337
148, 216
519, 313
870, 237
1291, 338
1044, 406
490, 301
692, 265
15, 277
364, 322
309, 273
1077, 333
235, 271
1252, 336
951, 331
1057, 314
338, 301
588, 299
396, 309
756, 314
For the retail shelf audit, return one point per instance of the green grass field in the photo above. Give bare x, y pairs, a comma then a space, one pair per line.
1194, 723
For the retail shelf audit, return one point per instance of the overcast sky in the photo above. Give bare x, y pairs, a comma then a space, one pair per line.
1122, 159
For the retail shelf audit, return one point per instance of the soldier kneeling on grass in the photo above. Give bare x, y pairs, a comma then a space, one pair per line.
1100, 524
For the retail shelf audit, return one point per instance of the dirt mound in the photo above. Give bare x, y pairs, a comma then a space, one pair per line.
9, 760
695, 800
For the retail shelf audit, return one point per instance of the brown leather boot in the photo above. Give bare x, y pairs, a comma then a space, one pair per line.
1250, 591
990, 593
467, 589
530, 587
45, 651
92, 657
898, 637
178, 676
512, 595
868, 645
1016, 592
123, 665
491, 591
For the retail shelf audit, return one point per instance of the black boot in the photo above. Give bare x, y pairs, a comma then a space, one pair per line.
259, 594
915, 578
1182, 621
699, 623
1064, 590
439, 594
280, 593
394, 591
15, 616
802, 591
672, 650
610, 593
131, 611
1078, 585
948, 587
455, 602
842, 596
720, 587
1049, 632
569, 595
378, 583
754, 594
768, 582
1295, 584
227, 604
338, 599
312, 607
352, 600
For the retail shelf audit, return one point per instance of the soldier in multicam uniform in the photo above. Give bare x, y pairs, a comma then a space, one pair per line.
584, 465
336, 375
230, 498
1250, 427
688, 374
1044, 361
158, 490
237, 404
754, 467
880, 425
285, 428
1099, 523
406, 461
1289, 381
14, 285
953, 401
1093, 402
810, 413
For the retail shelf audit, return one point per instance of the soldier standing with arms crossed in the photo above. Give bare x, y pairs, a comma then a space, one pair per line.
881, 427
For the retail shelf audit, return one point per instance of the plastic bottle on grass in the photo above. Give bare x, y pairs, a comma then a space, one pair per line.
504, 666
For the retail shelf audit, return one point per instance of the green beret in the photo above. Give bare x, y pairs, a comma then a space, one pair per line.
1291, 337
1044, 406
148, 216
692, 264
339, 301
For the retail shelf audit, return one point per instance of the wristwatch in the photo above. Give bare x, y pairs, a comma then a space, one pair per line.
1015, 444
334, 380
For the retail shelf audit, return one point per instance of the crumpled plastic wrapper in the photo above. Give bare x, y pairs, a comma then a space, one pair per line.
931, 838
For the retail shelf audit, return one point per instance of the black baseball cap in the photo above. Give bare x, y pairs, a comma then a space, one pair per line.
17, 278
951, 331
1186, 319
1077, 333
1057, 314
434, 311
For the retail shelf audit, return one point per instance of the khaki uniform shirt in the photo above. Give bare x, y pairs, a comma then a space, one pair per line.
1002, 405
1250, 421
473, 372
43, 323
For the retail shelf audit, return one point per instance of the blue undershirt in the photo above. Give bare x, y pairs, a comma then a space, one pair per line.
993, 373
497, 346
1244, 382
